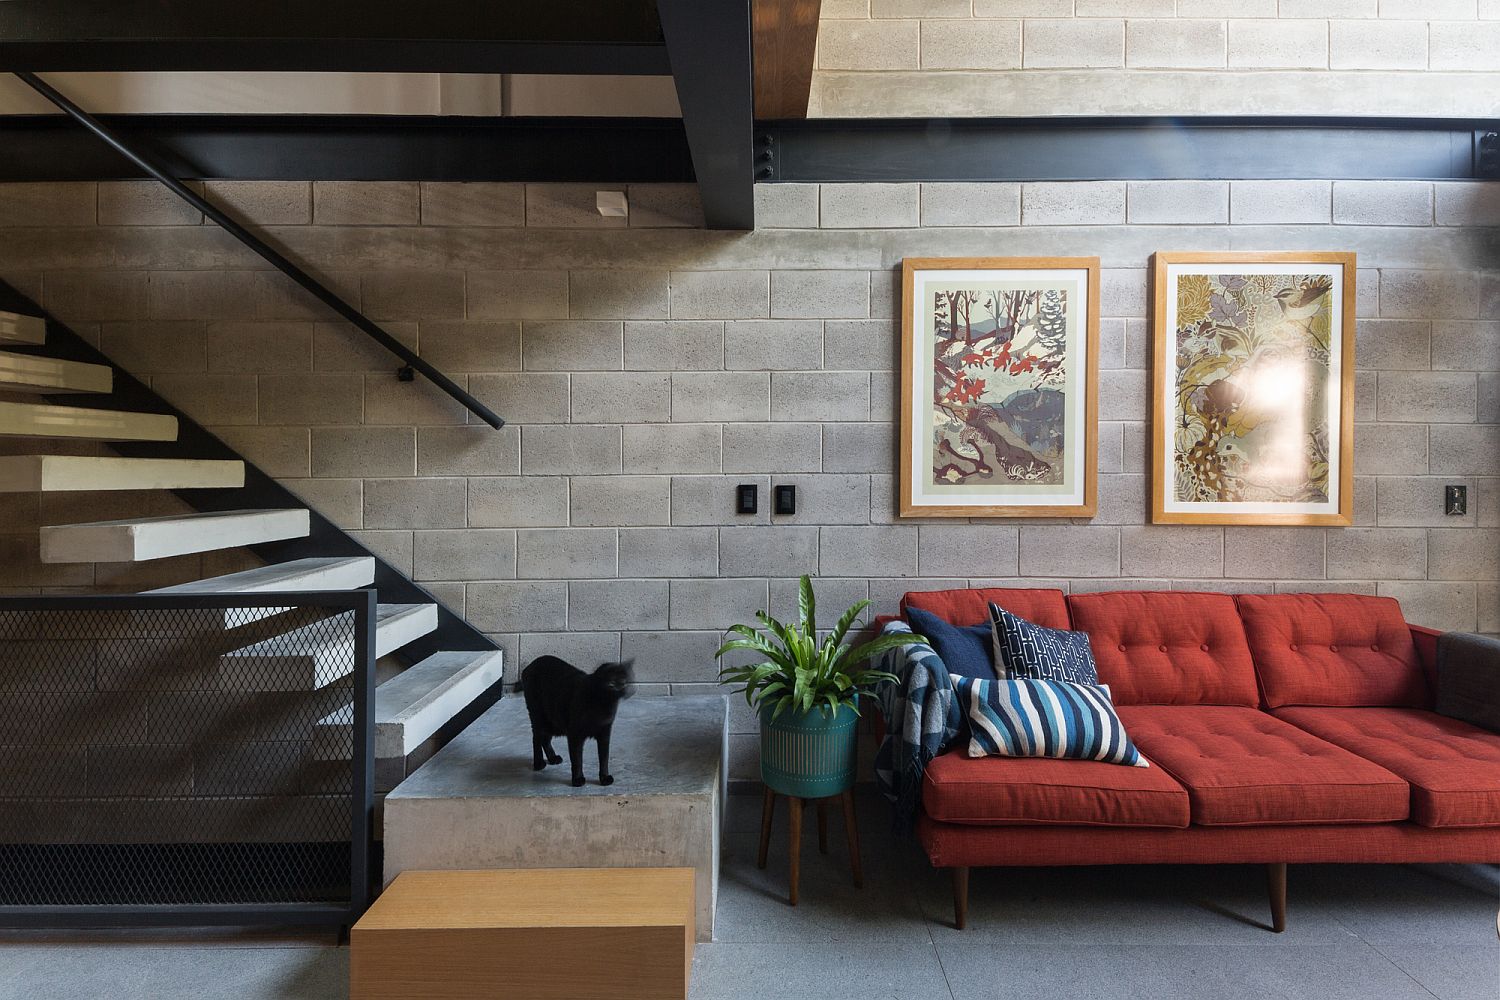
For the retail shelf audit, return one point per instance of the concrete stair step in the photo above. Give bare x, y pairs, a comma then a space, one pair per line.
338, 573
18, 328
306, 658
36, 373
416, 703
45, 420
140, 539
73, 473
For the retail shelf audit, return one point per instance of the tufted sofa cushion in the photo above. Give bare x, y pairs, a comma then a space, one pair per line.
1038, 790
1168, 648
1048, 608
1453, 768
1333, 649
1244, 767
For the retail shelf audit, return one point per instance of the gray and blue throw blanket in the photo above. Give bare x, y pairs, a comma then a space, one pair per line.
921, 720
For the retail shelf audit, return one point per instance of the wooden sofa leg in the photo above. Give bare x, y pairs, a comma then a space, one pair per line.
960, 898
1276, 881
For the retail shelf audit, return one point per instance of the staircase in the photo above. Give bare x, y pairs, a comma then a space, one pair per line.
57, 390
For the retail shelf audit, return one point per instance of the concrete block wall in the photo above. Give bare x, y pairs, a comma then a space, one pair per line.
924, 58
648, 366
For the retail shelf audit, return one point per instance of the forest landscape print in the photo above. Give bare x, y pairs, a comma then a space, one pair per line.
1004, 365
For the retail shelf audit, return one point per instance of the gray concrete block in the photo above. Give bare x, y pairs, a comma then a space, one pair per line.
621, 397
1463, 554
514, 294
1464, 449
1467, 203
576, 449
416, 503
1175, 43
1122, 499
869, 206
971, 45
676, 345
1275, 553
1177, 551
464, 554
569, 206
1428, 294
388, 400
468, 451
345, 452
820, 396
1399, 344
1437, 397
728, 294
766, 550
1064, 44
619, 500
765, 345
674, 656
715, 604
259, 347
786, 206
1466, 346
968, 549
1390, 449
565, 553
820, 294
201, 295
48, 204
264, 203
664, 206
826, 499
518, 501
1377, 45
772, 448
1073, 203
1177, 203
339, 347
74, 296
1417, 501
213, 399
868, 45
709, 500
715, 396
155, 347
971, 204
277, 451
1261, 203
472, 346
834, 597
586, 650
366, 203
1448, 606
1382, 203
1069, 551
611, 605
530, 398
1270, 43
861, 345
145, 203
669, 552
342, 501
473, 204
672, 448
572, 345
1123, 395
868, 550
1111, 448
612, 294
311, 399
523, 605
859, 447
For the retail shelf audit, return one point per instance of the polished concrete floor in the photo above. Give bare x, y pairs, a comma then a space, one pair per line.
1356, 932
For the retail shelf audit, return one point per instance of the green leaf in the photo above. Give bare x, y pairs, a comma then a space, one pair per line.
881, 644
807, 606
846, 622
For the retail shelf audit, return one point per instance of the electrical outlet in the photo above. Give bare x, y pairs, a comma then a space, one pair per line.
786, 499
746, 498
1456, 501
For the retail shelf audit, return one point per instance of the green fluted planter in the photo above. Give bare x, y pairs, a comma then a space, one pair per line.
808, 755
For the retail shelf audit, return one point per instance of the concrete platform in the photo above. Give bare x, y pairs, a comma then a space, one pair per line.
478, 804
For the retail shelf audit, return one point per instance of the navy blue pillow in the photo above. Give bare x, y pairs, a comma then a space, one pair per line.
965, 650
1023, 649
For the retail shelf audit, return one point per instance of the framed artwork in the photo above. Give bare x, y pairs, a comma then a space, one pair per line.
1253, 388
999, 387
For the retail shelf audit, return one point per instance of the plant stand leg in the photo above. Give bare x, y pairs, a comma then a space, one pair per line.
822, 826
960, 898
767, 810
851, 831
1276, 882
794, 846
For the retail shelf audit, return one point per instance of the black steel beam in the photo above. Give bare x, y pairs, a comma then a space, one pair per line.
1121, 149
709, 45
435, 36
353, 147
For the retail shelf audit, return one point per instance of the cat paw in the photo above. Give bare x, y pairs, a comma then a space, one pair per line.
606, 779
537, 765
554, 759
578, 781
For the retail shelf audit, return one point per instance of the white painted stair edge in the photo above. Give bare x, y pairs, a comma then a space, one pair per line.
140, 539
77, 473
19, 328
305, 658
39, 373
416, 703
46, 420
336, 573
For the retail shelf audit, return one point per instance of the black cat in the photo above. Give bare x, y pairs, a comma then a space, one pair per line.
564, 701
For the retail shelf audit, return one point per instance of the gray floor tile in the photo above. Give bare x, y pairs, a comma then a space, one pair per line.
126, 972
817, 970
1404, 904
1451, 972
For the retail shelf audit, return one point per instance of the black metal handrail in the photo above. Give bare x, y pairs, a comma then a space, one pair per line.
268, 253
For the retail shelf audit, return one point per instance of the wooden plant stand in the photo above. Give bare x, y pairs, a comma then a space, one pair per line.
794, 840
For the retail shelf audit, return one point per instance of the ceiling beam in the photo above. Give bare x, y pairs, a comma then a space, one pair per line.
708, 43
785, 41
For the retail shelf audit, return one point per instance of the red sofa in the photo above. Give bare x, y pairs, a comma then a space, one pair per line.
1280, 729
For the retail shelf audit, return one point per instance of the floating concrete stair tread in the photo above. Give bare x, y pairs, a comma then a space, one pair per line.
335, 573
37, 373
45, 420
72, 473
18, 328
414, 704
309, 658
140, 539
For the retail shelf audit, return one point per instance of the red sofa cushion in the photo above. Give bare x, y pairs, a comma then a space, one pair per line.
1333, 649
1038, 790
971, 607
1244, 767
1160, 648
1453, 768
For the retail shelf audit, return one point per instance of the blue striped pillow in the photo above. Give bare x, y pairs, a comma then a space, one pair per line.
1026, 717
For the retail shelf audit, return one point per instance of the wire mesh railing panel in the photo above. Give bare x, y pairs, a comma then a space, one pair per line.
174, 753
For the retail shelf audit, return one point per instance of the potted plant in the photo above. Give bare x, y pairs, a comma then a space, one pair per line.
807, 694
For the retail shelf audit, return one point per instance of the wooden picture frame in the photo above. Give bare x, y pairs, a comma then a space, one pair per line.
1031, 334
1216, 456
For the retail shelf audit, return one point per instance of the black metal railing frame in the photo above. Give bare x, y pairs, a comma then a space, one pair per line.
362, 604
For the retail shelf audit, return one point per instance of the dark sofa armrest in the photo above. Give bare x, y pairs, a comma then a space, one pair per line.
1468, 679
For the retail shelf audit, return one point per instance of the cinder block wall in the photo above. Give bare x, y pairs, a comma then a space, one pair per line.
648, 366
919, 58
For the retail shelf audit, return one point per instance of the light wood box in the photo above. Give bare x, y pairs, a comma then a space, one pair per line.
532, 934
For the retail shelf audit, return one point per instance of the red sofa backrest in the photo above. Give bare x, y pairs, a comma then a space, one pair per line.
1333, 649
1168, 647
1048, 608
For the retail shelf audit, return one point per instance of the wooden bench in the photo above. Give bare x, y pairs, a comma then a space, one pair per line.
537, 933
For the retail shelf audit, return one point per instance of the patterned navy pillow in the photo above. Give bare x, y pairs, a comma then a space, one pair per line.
1039, 718
1023, 649
965, 650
